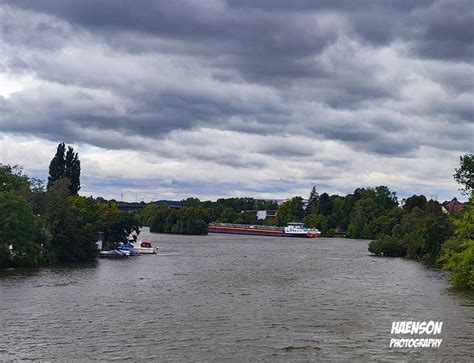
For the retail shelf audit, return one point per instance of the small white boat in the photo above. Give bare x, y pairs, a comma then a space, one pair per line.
114, 254
145, 247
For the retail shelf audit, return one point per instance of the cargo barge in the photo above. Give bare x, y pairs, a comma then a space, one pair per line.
291, 230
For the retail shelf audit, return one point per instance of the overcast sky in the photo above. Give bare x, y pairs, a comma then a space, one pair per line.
214, 98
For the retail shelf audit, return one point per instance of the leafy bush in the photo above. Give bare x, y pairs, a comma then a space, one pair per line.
458, 251
387, 246
461, 265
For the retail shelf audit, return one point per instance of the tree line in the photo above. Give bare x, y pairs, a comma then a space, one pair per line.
48, 225
361, 214
194, 215
425, 232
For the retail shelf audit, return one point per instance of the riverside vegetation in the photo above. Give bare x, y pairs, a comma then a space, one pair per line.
44, 226
49, 225
426, 233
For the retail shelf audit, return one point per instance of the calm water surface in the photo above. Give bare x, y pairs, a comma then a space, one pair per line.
235, 298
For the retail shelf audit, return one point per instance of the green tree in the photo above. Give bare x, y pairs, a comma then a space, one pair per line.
347, 206
385, 200
363, 213
312, 201
458, 252
158, 221
414, 201
185, 220
464, 175
227, 216
212, 213
237, 204
461, 265
325, 204
73, 170
367, 216
419, 233
387, 246
190, 202
19, 232
147, 213
290, 211
384, 223
71, 238
246, 217
190, 221
317, 221
265, 204
170, 220
119, 227
337, 217
12, 179
436, 228
57, 166
65, 165
88, 214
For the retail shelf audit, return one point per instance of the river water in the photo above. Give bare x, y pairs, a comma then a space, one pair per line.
234, 298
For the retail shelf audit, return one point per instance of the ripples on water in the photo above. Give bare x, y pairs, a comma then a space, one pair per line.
240, 298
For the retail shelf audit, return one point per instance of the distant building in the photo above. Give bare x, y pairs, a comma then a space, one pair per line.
453, 206
264, 214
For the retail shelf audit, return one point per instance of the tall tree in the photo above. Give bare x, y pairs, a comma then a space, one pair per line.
312, 201
325, 204
464, 175
73, 171
57, 167
65, 165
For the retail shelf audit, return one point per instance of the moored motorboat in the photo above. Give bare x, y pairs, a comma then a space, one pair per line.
145, 247
128, 248
114, 254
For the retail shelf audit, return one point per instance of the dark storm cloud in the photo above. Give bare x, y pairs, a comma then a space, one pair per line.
440, 29
448, 31
261, 45
326, 69
37, 33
